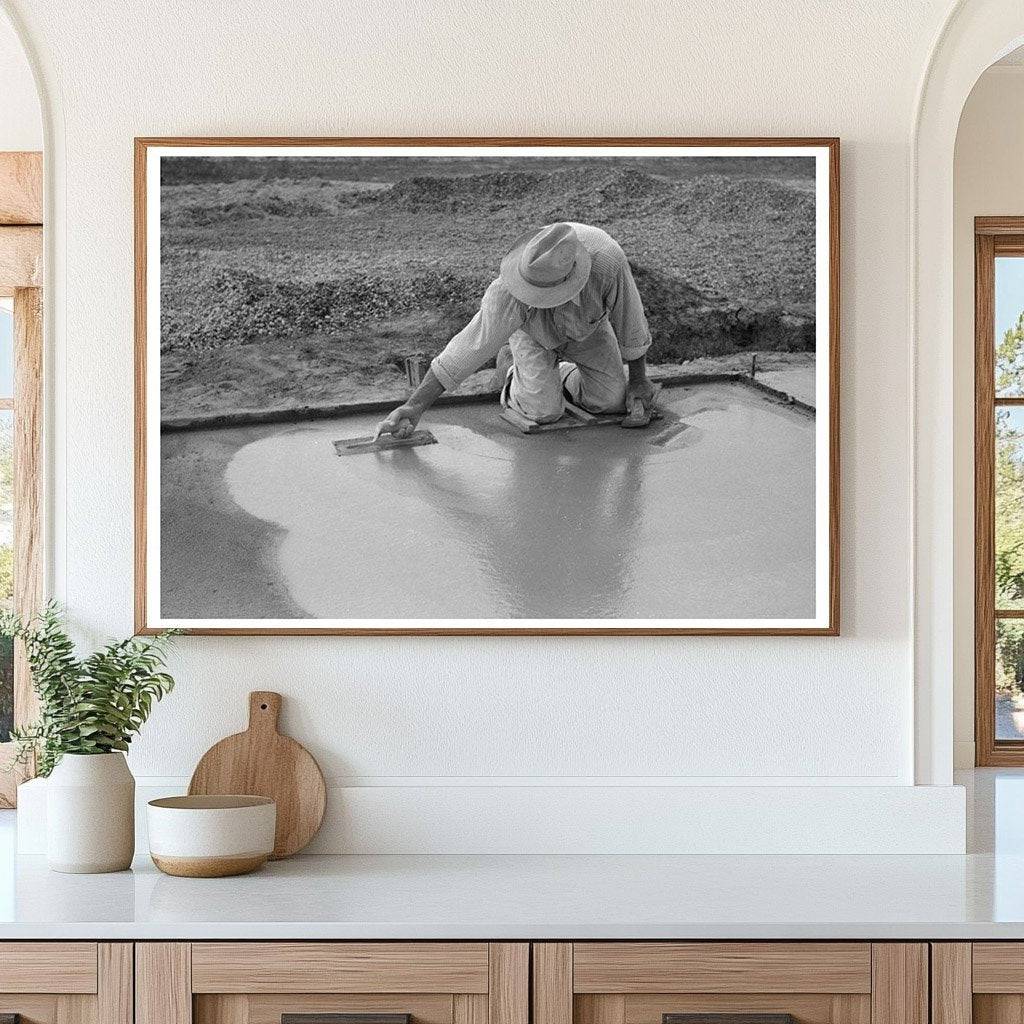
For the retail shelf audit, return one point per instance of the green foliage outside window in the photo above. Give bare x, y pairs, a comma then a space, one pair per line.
1009, 511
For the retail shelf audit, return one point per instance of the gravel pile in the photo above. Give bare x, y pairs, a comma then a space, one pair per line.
724, 263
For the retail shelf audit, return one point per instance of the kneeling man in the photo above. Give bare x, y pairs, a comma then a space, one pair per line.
560, 320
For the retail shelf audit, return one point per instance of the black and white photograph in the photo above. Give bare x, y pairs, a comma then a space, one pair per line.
466, 387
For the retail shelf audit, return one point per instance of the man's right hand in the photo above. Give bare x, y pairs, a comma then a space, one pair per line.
400, 422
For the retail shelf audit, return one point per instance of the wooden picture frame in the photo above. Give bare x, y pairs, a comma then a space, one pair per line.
826, 620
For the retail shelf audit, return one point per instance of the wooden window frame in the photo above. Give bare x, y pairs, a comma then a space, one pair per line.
21, 270
993, 237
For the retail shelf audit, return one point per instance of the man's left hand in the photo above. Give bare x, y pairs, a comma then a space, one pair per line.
642, 389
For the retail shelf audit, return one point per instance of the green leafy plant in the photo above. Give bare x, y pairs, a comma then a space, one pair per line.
90, 705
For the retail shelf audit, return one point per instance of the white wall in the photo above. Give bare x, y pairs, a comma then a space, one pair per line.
443, 713
21, 125
988, 181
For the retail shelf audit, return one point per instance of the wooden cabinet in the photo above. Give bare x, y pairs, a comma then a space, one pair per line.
66, 982
647, 982
980, 982
260, 982
494, 983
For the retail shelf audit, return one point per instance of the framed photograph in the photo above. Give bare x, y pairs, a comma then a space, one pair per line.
487, 386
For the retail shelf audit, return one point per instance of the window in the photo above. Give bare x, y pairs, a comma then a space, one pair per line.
6, 510
999, 490
20, 503
21, 365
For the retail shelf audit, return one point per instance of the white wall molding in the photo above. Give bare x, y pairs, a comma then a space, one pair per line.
553, 819
644, 820
964, 755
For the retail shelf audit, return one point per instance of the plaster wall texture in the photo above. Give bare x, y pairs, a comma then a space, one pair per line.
434, 716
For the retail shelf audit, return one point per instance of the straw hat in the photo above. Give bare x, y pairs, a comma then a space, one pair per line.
547, 267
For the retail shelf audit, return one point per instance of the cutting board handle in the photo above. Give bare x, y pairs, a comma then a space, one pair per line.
264, 710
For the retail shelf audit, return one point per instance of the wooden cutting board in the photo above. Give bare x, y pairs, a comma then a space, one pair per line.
262, 762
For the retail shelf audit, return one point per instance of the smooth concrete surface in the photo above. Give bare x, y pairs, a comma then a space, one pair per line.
796, 381
709, 514
980, 895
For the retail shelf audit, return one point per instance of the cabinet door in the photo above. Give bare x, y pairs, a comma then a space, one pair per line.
66, 982
737, 982
981, 982
332, 983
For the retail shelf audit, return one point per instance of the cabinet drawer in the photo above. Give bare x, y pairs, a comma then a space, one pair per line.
998, 967
262, 982
630, 967
48, 967
66, 982
734, 982
340, 967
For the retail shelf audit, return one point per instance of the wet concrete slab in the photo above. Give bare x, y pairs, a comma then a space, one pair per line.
708, 514
799, 382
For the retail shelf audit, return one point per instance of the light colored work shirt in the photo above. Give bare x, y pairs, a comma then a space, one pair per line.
610, 294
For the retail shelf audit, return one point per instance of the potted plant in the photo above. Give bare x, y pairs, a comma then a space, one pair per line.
89, 710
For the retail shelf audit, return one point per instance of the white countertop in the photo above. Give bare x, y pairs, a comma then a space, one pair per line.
977, 896
532, 897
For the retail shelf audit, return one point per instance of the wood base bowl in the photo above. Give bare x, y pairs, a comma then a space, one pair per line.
211, 836
209, 867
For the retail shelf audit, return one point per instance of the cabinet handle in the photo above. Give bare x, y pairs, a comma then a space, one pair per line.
728, 1018
338, 1018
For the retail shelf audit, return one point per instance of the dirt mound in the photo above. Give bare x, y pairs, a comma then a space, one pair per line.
430, 193
623, 186
190, 206
724, 264
601, 193
714, 197
252, 306
611, 191
687, 324
530, 193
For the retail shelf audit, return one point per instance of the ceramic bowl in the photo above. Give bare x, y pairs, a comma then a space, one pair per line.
211, 836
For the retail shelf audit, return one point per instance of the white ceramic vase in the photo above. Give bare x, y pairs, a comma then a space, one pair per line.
90, 814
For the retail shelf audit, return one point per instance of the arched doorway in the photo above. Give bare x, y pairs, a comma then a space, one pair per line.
976, 33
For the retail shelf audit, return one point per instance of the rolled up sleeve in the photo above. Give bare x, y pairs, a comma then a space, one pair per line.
479, 342
626, 314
